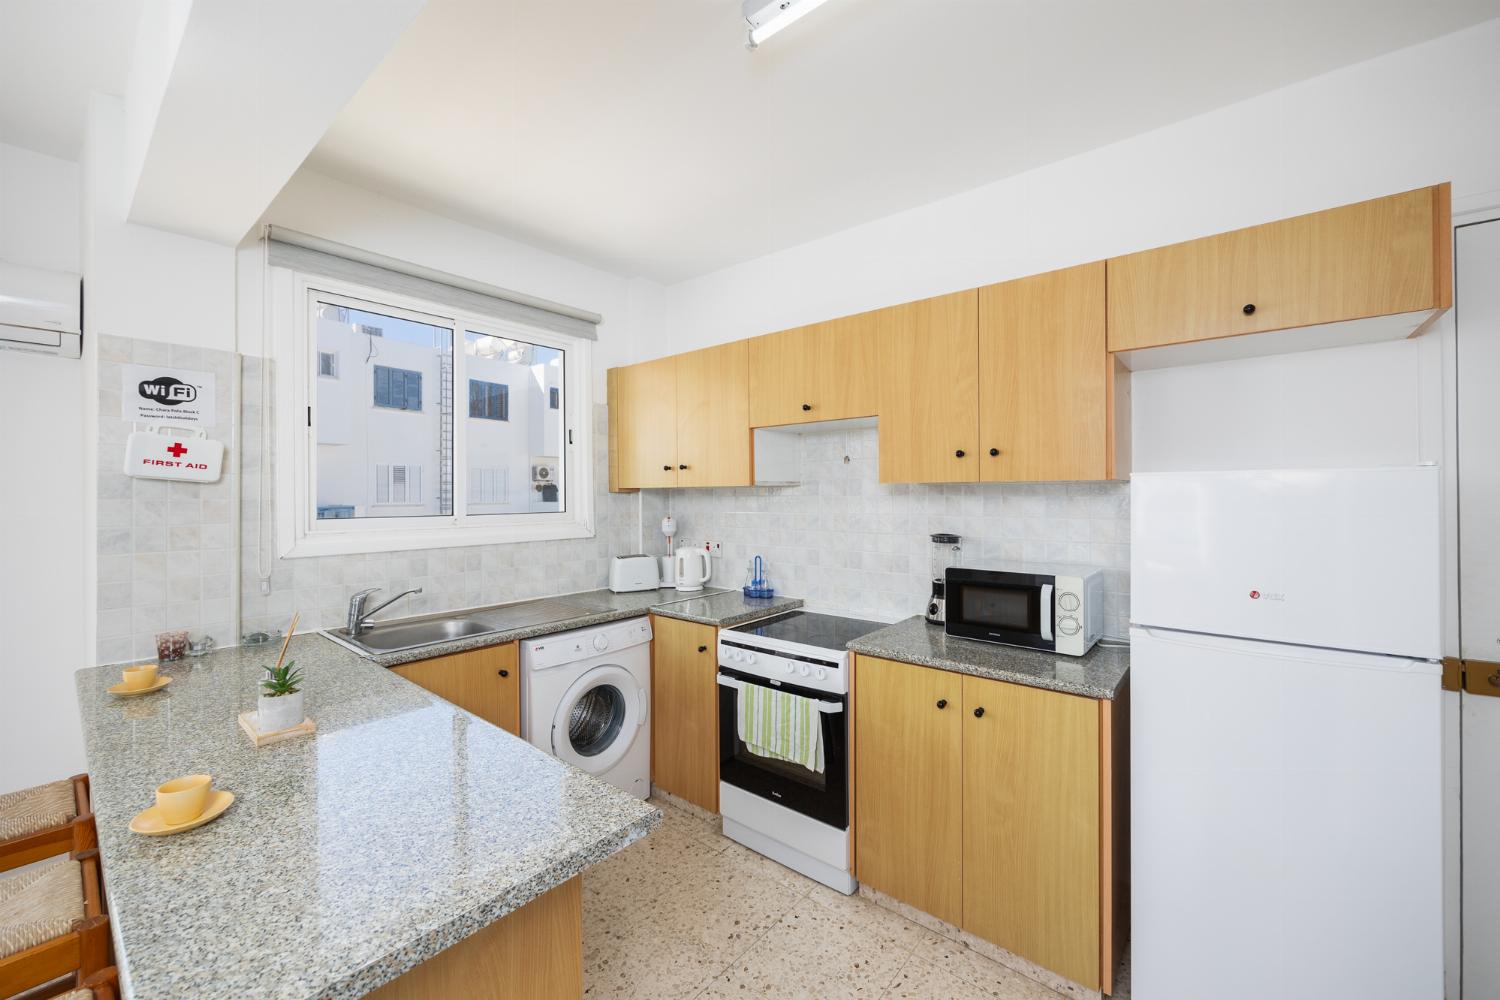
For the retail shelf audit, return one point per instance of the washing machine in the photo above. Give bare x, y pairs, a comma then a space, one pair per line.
586, 699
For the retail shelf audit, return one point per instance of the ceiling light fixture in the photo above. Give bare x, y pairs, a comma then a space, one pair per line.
766, 17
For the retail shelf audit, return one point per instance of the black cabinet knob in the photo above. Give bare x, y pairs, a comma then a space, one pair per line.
806, 407
942, 703
702, 649
959, 453
666, 468
994, 452
505, 673
979, 712
1249, 309
682, 467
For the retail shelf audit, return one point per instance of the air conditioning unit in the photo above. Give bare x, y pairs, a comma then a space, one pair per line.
543, 471
41, 310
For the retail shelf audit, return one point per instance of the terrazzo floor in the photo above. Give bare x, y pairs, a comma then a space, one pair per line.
689, 914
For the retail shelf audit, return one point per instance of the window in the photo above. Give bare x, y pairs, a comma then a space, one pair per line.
397, 388
489, 400
427, 426
398, 484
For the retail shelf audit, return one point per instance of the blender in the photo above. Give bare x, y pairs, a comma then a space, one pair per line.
946, 551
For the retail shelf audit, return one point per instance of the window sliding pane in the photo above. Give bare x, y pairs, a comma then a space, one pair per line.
515, 432
384, 422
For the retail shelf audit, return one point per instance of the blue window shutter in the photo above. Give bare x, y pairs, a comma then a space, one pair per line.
413, 390
382, 386
502, 401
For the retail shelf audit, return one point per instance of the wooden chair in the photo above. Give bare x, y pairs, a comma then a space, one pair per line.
102, 985
66, 897
45, 821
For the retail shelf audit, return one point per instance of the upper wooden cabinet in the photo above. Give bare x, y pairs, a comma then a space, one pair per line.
1045, 379
681, 421
929, 390
484, 681
1375, 258
826, 371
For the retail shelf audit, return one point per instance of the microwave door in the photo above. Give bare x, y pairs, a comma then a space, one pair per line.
1017, 611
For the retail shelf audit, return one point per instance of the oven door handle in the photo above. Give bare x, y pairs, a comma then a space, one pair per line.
1047, 612
826, 707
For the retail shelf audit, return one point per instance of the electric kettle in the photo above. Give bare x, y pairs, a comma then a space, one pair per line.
693, 569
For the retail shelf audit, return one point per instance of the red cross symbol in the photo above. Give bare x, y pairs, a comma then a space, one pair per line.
177, 450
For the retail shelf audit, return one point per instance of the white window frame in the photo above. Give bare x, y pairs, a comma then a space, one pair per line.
300, 533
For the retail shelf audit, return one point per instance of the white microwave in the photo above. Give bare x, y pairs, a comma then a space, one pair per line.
1059, 609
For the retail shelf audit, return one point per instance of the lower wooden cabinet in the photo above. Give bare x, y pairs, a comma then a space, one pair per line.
485, 682
685, 710
997, 808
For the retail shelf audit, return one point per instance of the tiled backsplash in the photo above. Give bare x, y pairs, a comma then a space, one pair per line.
165, 548
845, 542
841, 540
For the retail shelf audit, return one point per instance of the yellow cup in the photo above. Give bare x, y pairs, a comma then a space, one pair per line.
182, 799
139, 677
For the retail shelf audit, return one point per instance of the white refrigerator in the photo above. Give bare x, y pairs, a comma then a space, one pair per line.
1285, 735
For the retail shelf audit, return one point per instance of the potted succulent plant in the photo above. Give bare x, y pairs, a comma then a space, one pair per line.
280, 704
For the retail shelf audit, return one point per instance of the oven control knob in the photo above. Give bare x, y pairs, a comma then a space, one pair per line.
601, 642
1067, 601
790, 667
822, 674
749, 657
1068, 626
804, 670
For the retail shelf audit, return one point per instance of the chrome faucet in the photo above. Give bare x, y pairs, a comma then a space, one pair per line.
358, 616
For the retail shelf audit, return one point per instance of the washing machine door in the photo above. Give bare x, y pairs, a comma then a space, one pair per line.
598, 719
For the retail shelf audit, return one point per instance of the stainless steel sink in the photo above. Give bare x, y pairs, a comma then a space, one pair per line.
406, 635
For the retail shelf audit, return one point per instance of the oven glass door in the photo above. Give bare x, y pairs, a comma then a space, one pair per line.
1013, 608
825, 796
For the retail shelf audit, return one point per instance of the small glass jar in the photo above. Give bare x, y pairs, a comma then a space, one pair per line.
171, 645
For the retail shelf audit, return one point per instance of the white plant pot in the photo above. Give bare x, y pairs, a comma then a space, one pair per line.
277, 713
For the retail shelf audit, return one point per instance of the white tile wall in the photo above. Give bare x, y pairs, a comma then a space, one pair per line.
845, 542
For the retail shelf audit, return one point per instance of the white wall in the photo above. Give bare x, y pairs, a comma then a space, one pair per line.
43, 538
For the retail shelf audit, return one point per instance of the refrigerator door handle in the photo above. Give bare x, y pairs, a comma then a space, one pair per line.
1046, 612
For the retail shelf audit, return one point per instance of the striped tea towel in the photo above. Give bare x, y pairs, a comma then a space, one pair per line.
781, 726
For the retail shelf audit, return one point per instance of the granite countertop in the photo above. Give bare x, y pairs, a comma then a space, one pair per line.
403, 826
1097, 674
710, 606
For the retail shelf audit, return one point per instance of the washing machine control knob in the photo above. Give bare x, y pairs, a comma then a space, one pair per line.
601, 642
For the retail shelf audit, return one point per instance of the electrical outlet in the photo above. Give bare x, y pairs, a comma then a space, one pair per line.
714, 548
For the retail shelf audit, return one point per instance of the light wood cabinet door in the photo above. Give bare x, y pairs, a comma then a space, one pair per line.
908, 746
685, 710
929, 390
1031, 824
1044, 377
826, 371
1374, 258
485, 682
713, 417
645, 408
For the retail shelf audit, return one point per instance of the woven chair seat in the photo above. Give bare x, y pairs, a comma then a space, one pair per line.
39, 904
77, 995
33, 809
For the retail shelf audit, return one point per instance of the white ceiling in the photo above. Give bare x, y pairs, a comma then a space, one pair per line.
644, 137
52, 53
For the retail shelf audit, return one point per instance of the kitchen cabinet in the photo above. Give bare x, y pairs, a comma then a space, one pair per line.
909, 743
826, 371
930, 390
681, 421
997, 807
1031, 848
685, 710
484, 681
1386, 256
1045, 379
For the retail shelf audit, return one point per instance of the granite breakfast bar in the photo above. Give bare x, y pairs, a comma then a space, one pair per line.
351, 862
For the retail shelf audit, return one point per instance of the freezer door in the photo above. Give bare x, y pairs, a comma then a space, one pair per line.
1285, 822
1339, 558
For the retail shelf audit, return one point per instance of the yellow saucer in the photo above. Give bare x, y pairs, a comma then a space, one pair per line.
121, 691
149, 822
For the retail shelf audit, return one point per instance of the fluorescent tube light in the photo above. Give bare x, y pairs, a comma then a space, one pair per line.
767, 17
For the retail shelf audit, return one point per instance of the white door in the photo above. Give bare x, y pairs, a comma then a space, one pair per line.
1478, 364
598, 719
1286, 825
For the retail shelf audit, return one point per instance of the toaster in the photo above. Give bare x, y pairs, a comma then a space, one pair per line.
630, 573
